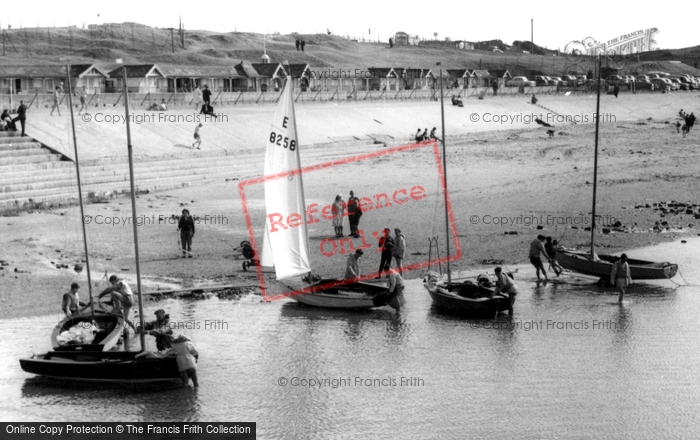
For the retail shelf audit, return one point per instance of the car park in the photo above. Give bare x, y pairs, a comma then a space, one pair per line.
559, 80
541, 80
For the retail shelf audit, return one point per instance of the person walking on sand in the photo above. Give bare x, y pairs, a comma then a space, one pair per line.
83, 101
620, 276
338, 210
678, 126
21, 116
537, 249
352, 266
206, 95
399, 250
504, 284
298, 43
57, 95
197, 139
186, 227
386, 244
303, 43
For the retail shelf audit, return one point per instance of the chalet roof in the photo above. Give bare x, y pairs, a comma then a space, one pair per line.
297, 70
267, 70
200, 71
137, 71
382, 72
481, 73
51, 71
458, 73
248, 70
500, 73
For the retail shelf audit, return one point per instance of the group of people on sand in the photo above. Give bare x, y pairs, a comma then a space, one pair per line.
424, 136
8, 123
689, 121
167, 344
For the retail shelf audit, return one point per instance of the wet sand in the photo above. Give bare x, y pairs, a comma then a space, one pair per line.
499, 182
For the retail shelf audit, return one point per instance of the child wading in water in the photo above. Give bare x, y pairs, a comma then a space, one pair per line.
197, 139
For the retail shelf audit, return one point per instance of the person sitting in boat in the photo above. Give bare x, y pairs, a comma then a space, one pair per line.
352, 268
396, 287
160, 328
71, 301
505, 284
121, 296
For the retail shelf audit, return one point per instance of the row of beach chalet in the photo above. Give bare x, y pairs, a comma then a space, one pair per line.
242, 77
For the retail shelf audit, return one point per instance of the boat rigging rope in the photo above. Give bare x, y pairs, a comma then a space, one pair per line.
576, 196
684, 280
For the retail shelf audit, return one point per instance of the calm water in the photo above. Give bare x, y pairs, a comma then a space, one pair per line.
632, 376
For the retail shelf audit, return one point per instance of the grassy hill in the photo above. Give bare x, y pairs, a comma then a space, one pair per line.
141, 44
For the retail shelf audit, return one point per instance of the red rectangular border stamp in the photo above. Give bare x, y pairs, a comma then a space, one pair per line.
242, 185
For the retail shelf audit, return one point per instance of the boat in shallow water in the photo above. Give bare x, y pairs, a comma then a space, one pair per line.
639, 269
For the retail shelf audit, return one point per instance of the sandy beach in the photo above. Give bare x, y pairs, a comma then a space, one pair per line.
503, 184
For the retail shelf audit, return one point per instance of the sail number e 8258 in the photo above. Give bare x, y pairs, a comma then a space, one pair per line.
283, 141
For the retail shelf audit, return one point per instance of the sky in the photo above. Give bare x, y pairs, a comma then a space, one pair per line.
555, 23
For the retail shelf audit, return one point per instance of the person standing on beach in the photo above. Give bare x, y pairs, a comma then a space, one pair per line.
198, 94
206, 95
186, 227
57, 95
354, 214
298, 43
399, 250
338, 210
678, 126
21, 116
620, 276
303, 43
504, 284
352, 267
616, 90
537, 248
386, 244
83, 100
197, 139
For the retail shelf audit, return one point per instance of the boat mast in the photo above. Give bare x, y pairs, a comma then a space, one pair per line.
595, 163
80, 191
133, 209
444, 176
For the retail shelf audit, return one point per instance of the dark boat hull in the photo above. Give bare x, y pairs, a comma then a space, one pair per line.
338, 295
122, 367
467, 299
639, 269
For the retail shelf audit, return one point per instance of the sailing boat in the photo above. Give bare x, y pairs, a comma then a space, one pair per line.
106, 366
466, 298
288, 249
601, 265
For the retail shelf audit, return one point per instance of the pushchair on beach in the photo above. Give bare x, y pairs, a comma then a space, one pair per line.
248, 253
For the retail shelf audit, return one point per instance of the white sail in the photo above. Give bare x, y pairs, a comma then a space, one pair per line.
285, 247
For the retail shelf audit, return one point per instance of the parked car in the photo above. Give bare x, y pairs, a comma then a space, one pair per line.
614, 80
541, 80
679, 84
642, 79
581, 79
518, 81
686, 82
560, 80
494, 49
662, 83
570, 80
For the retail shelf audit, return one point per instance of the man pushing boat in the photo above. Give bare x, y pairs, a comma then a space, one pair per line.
121, 296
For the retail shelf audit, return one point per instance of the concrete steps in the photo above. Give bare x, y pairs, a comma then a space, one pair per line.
32, 177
